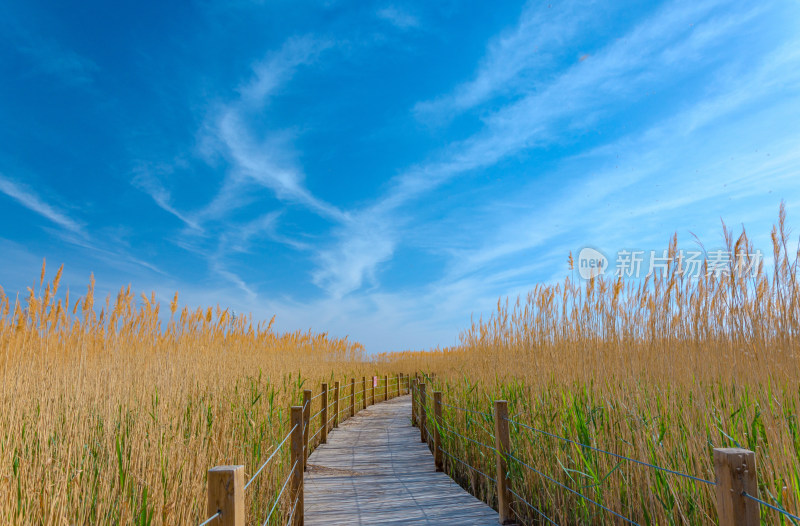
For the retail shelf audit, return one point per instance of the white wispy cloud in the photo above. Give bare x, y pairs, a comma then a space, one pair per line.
516, 58
28, 198
150, 184
277, 68
398, 17
682, 32
709, 135
263, 158
361, 244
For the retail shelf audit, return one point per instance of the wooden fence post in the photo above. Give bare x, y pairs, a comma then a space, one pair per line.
306, 424
363, 392
413, 402
736, 473
372, 388
399, 385
336, 404
502, 445
421, 420
324, 438
296, 485
385, 387
226, 495
352, 397
437, 437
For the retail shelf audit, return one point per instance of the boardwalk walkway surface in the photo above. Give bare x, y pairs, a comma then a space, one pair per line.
375, 470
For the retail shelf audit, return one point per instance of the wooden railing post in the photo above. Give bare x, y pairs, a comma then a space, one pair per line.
502, 445
421, 420
336, 404
413, 402
363, 392
352, 397
400, 384
296, 484
736, 473
306, 424
385, 387
324, 433
437, 437
226, 495
372, 388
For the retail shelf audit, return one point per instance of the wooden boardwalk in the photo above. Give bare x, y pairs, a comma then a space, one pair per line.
375, 470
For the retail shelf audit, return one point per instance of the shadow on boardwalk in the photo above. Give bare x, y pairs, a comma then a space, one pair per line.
375, 470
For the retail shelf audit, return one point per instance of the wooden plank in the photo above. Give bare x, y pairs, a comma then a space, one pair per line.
374, 470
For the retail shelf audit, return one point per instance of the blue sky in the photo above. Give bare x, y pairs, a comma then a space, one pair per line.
383, 170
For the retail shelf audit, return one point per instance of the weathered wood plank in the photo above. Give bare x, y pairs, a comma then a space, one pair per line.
374, 470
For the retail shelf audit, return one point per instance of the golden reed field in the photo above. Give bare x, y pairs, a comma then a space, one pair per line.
109, 417
110, 414
661, 371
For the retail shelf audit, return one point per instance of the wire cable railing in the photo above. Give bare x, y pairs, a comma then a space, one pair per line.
531, 506
208, 520
306, 442
312, 437
294, 508
454, 432
278, 498
426, 411
579, 494
776, 508
277, 449
481, 413
473, 468
621, 457
486, 417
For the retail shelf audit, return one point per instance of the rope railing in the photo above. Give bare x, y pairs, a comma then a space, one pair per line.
621, 457
277, 449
